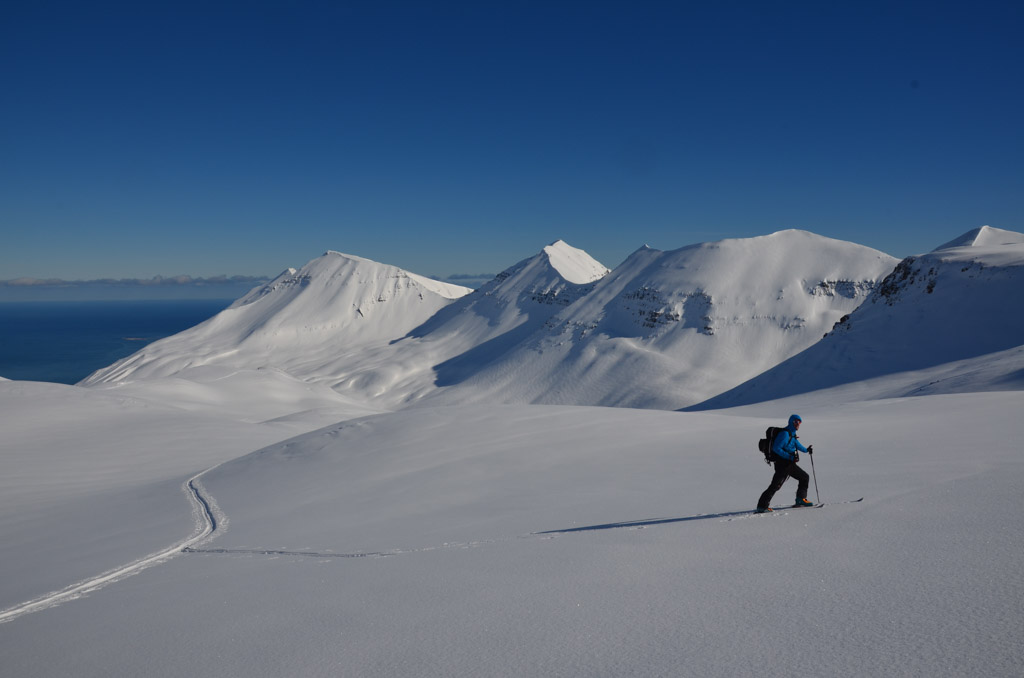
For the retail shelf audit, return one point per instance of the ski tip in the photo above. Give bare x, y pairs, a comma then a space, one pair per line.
845, 501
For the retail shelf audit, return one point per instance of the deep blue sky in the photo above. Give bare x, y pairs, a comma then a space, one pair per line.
143, 138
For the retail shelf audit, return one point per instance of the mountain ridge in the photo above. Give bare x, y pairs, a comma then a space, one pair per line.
919, 318
656, 331
333, 297
664, 329
983, 236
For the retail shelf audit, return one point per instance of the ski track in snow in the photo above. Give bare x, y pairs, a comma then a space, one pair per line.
204, 513
779, 511
208, 519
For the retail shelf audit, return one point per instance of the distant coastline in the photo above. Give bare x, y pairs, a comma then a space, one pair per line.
66, 341
129, 289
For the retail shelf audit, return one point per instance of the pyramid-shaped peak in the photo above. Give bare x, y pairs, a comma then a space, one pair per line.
574, 264
984, 236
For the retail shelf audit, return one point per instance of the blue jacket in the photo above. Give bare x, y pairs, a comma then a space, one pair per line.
786, 444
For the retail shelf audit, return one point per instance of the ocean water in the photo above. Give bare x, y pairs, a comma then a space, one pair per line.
65, 342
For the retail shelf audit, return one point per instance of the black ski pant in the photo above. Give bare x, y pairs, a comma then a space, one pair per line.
785, 469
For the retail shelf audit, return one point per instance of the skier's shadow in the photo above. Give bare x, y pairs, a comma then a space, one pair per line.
648, 523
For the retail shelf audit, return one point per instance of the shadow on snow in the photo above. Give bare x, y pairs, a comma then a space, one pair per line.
650, 523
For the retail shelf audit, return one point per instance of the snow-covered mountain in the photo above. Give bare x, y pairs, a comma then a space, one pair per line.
669, 329
463, 336
664, 330
531, 290
479, 328
333, 306
371, 332
949, 320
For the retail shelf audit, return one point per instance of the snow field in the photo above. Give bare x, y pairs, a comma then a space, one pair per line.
94, 478
919, 579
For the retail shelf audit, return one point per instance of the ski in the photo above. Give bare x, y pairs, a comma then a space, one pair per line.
836, 503
788, 507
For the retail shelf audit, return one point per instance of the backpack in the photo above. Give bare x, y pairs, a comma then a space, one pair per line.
765, 444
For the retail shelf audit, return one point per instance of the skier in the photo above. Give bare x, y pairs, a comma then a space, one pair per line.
784, 455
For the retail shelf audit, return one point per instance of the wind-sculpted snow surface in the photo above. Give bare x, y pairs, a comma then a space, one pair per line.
946, 321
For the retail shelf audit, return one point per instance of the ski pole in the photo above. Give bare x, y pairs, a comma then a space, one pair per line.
816, 496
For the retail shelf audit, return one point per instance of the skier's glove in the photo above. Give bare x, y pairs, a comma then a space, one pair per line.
810, 449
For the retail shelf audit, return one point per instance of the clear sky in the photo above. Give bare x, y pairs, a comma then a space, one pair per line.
205, 138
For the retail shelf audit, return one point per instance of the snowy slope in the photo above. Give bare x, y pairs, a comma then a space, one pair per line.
93, 478
466, 334
480, 327
439, 542
946, 321
665, 329
333, 305
984, 237
373, 333
669, 329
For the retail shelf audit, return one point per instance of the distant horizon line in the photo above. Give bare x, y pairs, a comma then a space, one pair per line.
157, 280
157, 288
180, 281
186, 281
